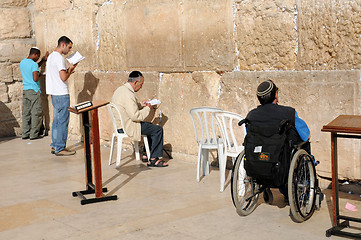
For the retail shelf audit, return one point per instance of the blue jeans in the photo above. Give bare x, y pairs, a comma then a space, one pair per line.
59, 133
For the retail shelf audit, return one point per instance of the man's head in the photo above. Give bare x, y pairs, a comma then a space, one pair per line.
34, 54
267, 92
136, 80
64, 45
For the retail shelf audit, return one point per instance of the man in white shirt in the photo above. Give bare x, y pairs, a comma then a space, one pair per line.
57, 75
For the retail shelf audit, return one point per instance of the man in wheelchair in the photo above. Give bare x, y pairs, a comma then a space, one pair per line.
269, 113
277, 155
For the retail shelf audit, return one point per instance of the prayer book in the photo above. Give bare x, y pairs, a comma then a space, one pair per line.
154, 102
75, 58
83, 105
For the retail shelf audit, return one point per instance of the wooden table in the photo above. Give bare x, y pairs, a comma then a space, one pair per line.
349, 126
90, 187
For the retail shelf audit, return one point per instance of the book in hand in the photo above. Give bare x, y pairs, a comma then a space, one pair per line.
82, 105
154, 102
75, 58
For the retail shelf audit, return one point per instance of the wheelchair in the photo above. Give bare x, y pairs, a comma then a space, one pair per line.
304, 194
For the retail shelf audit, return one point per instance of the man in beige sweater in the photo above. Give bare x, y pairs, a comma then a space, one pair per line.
133, 114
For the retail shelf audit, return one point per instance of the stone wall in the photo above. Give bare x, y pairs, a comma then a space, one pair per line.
204, 53
16, 38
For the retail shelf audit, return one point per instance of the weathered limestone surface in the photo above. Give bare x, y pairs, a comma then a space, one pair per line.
14, 3
265, 34
14, 18
15, 92
179, 93
44, 5
153, 34
15, 50
4, 97
6, 72
76, 24
329, 34
208, 31
111, 38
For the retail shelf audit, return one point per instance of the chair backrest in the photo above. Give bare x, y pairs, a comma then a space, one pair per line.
227, 122
114, 115
203, 122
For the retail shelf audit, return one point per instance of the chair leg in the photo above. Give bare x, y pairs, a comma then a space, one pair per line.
146, 144
199, 162
205, 164
222, 158
119, 152
111, 149
136, 150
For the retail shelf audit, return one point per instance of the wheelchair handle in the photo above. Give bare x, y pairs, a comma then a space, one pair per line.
243, 121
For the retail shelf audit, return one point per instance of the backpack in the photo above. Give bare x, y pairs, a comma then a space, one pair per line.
267, 153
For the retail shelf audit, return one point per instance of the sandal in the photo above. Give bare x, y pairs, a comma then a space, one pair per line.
161, 163
144, 158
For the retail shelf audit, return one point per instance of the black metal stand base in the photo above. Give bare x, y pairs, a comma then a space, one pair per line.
85, 200
337, 231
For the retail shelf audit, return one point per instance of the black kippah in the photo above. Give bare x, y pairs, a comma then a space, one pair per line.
265, 87
135, 74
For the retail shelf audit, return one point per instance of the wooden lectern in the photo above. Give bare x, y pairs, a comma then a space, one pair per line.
90, 187
344, 126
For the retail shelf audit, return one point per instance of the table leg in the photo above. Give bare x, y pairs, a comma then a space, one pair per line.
87, 152
96, 153
335, 206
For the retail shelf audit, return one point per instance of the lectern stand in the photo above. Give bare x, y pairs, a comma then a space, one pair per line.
344, 126
90, 187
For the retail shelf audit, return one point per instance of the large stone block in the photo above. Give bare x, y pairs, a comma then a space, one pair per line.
6, 72
180, 92
14, 3
153, 35
14, 18
111, 38
329, 34
308, 93
15, 91
15, 50
265, 34
44, 5
16, 72
208, 35
4, 97
77, 24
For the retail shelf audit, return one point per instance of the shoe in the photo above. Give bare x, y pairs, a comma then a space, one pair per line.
37, 137
27, 137
65, 152
52, 150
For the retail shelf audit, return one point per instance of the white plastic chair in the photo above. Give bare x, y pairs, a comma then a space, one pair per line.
232, 142
203, 122
115, 114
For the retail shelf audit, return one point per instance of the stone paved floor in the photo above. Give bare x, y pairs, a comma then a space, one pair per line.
153, 203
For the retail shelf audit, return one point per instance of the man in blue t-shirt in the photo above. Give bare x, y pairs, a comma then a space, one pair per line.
32, 111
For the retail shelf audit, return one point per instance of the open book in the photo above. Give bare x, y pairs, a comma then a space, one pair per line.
75, 58
154, 102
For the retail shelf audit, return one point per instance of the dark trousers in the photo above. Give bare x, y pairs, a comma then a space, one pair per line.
155, 138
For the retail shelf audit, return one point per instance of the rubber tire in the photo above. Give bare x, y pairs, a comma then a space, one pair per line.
296, 214
243, 207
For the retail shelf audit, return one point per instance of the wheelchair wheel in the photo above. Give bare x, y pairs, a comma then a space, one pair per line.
301, 186
244, 189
